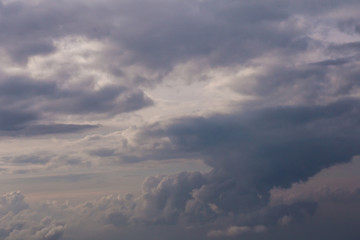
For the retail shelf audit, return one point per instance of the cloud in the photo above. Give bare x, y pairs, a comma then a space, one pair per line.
33, 130
34, 159
250, 153
351, 25
133, 46
236, 231
72, 66
12, 120
22, 53
26, 101
18, 220
301, 192
285, 220
288, 135
44, 161
159, 34
82, 99
113, 216
164, 198
12, 202
54, 129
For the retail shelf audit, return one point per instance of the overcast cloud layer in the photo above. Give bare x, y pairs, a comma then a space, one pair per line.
242, 117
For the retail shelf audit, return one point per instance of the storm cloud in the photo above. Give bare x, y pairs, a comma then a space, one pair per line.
250, 154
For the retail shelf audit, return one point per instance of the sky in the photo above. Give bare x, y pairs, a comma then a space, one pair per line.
179, 119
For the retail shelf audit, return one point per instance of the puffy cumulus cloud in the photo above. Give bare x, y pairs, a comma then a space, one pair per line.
163, 207
19, 221
164, 198
161, 211
12, 202
44, 231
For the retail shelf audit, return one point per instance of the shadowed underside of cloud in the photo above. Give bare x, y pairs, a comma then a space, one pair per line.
19, 124
54, 129
22, 123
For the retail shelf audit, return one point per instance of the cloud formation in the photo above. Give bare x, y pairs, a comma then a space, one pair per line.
279, 80
236, 231
17, 221
250, 154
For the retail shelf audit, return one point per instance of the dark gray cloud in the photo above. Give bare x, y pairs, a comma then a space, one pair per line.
351, 25
250, 154
158, 34
110, 100
102, 152
349, 47
26, 93
26, 101
19, 127
22, 87
161, 35
333, 62
33, 130
26, 50
30, 28
305, 84
32, 159
12, 120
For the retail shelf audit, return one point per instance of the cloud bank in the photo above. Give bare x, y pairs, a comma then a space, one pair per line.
269, 98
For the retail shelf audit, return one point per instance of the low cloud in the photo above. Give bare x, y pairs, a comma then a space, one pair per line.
234, 231
19, 221
162, 209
